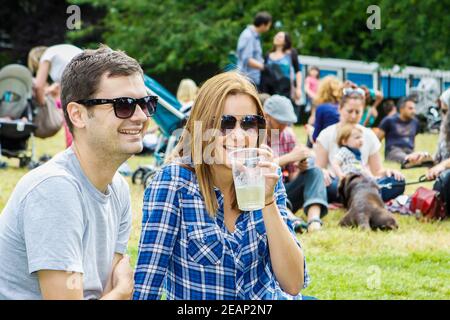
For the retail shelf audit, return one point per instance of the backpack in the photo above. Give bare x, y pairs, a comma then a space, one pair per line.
428, 204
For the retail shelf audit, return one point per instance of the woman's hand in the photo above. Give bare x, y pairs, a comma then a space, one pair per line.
270, 173
328, 177
435, 171
394, 173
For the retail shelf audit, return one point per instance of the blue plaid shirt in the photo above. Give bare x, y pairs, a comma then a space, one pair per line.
192, 255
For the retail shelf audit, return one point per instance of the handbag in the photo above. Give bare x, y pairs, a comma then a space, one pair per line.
49, 119
427, 204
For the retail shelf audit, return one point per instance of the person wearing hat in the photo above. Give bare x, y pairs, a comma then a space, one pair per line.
304, 183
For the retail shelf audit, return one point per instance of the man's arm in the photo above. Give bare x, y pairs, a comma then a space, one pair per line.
297, 154
255, 64
378, 99
116, 259
63, 285
60, 285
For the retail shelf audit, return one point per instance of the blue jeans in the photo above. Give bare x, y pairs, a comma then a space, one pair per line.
387, 192
308, 189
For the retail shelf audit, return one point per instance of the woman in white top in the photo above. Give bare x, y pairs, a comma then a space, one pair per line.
350, 109
49, 61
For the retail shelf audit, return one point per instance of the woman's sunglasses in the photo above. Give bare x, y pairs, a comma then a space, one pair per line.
124, 107
248, 122
351, 91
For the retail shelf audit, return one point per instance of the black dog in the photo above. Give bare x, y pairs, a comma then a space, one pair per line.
365, 208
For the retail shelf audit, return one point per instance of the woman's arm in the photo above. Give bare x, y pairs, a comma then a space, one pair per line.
435, 171
285, 254
376, 168
41, 82
322, 162
298, 87
318, 123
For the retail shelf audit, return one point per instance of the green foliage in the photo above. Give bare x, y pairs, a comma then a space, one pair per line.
171, 35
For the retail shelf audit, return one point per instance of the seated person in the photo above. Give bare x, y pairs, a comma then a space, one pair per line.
351, 109
400, 131
64, 231
196, 243
348, 158
441, 169
304, 183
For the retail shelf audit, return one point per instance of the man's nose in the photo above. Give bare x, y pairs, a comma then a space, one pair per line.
139, 114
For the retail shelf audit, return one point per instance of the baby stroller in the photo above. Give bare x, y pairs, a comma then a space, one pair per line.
170, 115
16, 115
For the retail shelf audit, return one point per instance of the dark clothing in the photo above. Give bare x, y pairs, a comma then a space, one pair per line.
355, 151
442, 185
306, 190
327, 114
398, 133
387, 192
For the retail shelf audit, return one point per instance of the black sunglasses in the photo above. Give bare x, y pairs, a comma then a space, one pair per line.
124, 107
247, 122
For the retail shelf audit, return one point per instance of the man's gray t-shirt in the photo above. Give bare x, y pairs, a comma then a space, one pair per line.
249, 46
57, 220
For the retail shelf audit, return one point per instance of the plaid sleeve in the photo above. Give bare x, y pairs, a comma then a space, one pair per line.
280, 195
340, 156
160, 225
288, 144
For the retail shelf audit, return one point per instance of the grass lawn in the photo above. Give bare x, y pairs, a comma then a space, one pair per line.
411, 263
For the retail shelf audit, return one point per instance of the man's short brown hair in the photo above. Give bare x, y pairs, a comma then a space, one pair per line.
81, 78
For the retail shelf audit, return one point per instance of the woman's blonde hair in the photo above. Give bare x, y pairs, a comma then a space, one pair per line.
345, 131
208, 109
34, 56
187, 91
329, 91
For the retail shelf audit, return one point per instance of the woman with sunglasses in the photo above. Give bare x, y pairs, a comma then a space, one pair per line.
350, 110
195, 242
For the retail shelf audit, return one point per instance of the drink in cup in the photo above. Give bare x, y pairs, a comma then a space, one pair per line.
248, 179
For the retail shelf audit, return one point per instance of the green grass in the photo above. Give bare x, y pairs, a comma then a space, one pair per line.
411, 263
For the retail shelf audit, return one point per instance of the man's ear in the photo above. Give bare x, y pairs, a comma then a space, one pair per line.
77, 114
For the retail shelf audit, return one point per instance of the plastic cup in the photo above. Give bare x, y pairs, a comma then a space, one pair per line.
248, 177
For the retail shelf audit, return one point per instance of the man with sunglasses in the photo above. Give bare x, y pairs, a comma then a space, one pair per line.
65, 229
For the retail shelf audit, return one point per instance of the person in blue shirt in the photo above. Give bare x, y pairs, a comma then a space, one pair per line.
400, 132
326, 112
249, 52
195, 242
